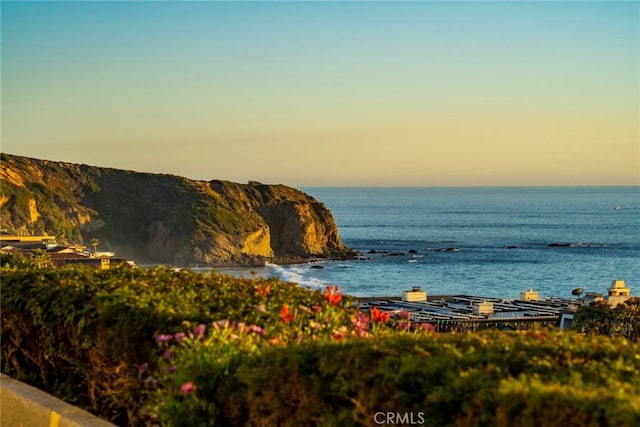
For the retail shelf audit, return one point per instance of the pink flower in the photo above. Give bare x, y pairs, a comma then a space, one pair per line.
179, 336
404, 314
257, 329
187, 388
168, 354
317, 308
164, 338
170, 369
360, 323
144, 367
426, 326
403, 325
199, 330
224, 324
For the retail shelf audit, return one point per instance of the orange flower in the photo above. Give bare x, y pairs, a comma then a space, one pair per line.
263, 292
379, 315
332, 295
334, 299
285, 315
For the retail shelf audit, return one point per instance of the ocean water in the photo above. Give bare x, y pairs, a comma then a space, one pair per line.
493, 242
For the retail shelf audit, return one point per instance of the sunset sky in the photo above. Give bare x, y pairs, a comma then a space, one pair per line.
329, 93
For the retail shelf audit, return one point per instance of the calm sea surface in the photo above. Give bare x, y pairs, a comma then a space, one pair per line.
480, 241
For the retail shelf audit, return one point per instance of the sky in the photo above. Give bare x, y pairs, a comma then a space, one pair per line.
329, 93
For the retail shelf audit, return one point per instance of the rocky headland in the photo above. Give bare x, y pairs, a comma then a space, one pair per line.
157, 218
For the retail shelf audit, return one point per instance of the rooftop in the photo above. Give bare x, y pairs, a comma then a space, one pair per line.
464, 308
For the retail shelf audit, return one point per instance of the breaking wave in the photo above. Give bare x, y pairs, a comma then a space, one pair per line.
296, 274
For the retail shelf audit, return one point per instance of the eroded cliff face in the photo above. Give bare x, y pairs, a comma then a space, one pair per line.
156, 218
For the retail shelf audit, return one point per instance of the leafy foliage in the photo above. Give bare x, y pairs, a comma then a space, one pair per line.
82, 333
36, 259
599, 318
183, 348
233, 376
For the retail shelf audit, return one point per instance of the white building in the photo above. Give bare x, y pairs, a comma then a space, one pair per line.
414, 295
618, 292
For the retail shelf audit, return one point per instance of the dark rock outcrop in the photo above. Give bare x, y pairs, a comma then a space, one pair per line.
157, 218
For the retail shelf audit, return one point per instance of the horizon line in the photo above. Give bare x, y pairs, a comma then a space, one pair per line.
346, 185
473, 186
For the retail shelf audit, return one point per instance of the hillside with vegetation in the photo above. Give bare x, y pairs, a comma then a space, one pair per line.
156, 218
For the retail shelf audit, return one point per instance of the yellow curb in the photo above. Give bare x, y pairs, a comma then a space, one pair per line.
22, 405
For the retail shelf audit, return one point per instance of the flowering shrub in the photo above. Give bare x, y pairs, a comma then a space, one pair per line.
189, 349
334, 365
236, 377
83, 334
208, 363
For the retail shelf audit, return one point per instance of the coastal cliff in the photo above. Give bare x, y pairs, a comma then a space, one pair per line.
156, 218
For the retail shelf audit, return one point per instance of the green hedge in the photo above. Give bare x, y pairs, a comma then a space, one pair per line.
81, 334
139, 346
536, 378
